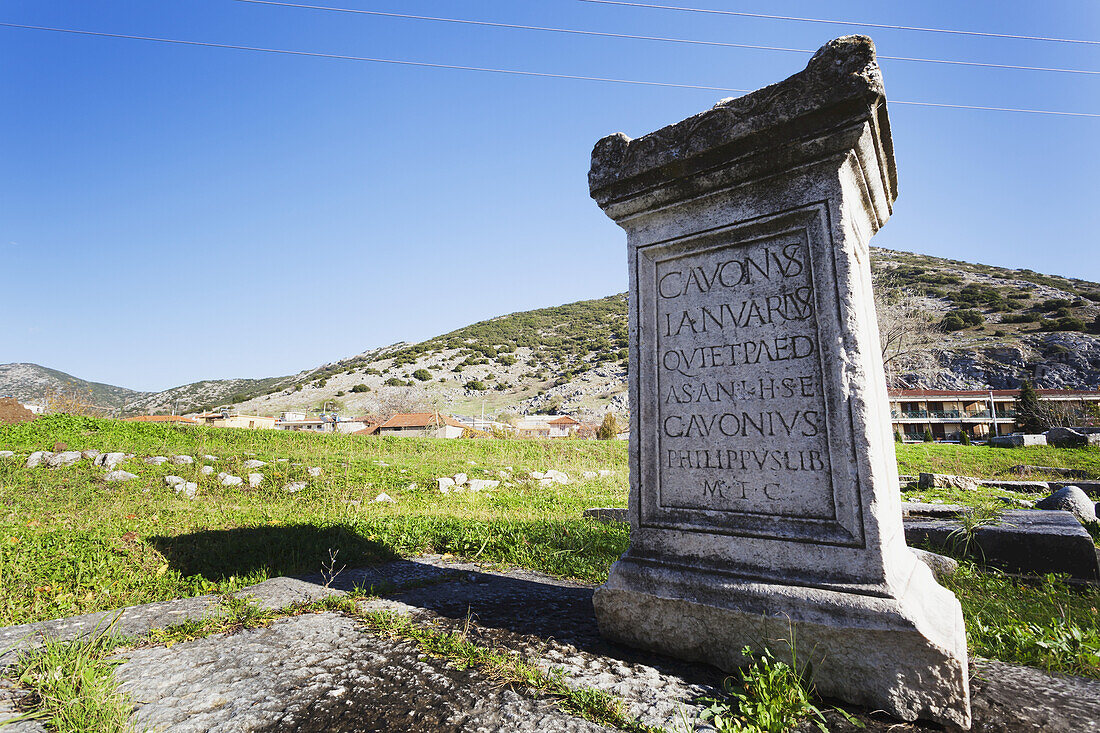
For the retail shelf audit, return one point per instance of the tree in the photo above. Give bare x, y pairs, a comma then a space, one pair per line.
908, 335
964, 437
608, 429
1028, 412
928, 438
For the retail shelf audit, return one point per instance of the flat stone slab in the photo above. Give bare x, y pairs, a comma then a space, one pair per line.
327, 672
1037, 542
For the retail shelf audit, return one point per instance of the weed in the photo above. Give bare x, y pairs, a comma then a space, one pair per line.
72, 686
771, 696
506, 667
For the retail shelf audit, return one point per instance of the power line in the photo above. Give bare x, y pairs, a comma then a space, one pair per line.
843, 22
517, 72
664, 39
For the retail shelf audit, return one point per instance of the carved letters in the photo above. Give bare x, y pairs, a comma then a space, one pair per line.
741, 416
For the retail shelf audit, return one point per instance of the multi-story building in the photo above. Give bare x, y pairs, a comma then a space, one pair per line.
981, 413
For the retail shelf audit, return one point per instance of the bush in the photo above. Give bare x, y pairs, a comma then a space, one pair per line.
959, 319
608, 429
341, 393
371, 370
1064, 324
395, 382
506, 360
928, 436
423, 375
475, 385
964, 438
1019, 318
1053, 304
360, 388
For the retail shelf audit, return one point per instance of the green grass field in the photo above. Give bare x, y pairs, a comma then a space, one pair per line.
72, 543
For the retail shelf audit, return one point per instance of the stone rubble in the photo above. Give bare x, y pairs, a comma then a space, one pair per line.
155, 460
255, 479
119, 476
1073, 500
253, 463
65, 458
182, 460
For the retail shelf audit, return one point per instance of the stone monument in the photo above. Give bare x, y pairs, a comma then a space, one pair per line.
764, 502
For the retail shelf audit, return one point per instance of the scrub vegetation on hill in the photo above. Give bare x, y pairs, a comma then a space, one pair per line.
71, 543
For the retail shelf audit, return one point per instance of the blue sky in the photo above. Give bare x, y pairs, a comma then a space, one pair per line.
173, 213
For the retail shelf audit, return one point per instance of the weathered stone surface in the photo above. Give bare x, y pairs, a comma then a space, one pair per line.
460, 479
187, 488
182, 460
1021, 541
764, 491
229, 480
314, 471
1070, 499
444, 483
207, 470
6, 454
607, 514
119, 476
253, 463
36, 459
155, 460
1066, 438
940, 565
294, 486
946, 481
110, 460
65, 458
1092, 488
174, 480
481, 484
1017, 440
255, 479
89, 455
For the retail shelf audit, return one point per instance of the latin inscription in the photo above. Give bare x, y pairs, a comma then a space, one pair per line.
741, 416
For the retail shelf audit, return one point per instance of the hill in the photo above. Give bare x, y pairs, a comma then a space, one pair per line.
971, 326
32, 382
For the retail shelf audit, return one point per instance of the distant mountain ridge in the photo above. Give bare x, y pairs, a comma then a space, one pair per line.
1000, 326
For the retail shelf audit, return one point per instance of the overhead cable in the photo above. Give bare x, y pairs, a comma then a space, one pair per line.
664, 39
517, 72
886, 26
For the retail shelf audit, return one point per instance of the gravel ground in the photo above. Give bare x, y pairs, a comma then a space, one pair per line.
327, 672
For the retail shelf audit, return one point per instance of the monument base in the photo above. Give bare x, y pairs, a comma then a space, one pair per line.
905, 655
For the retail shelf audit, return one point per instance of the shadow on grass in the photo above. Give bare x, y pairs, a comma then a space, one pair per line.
219, 554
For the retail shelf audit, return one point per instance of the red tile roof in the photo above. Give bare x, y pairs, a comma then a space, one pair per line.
564, 420
162, 418
421, 420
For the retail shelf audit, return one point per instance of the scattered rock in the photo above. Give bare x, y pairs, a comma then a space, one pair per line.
155, 460
89, 455
188, 489
119, 476
557, 477
445, 483
588, 475
226, 479
412, 487
604, 472
314, 471
941, 566
206, 470
460, 479
36, 459
385, 498
6, 454
294, 486
253, 463
66, 458
479, 484
208, 457
174, 480
946, 481
109, 460
182, 460
255, 479
1072, 500
537, 475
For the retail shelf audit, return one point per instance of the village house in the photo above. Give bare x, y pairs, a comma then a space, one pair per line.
174, 419
546, 426
422, 424
227, 419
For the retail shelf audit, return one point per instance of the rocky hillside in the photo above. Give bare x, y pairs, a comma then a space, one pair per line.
982, 327
32, 383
